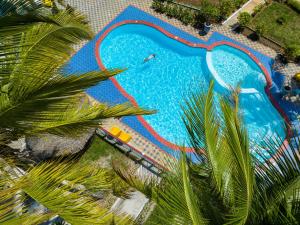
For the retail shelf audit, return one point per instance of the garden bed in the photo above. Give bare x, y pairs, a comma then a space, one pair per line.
196, 12
197, 3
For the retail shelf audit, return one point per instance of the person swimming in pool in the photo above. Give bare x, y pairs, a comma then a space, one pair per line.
152, 56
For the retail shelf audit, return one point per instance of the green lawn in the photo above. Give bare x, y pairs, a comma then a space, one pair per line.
286, 34
98, 149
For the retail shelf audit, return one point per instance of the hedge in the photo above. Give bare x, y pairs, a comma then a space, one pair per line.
207, 11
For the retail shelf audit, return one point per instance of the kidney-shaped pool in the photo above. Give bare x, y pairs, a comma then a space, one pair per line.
165, 81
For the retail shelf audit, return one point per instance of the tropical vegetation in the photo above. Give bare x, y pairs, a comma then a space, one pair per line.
196, 12
229, 184
37, 96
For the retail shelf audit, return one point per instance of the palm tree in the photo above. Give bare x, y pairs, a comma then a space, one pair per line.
228, 185
63, 188
36, 97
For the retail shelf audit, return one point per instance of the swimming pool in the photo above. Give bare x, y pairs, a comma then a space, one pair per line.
164, 82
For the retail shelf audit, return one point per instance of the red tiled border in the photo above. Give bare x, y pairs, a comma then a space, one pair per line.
194, 45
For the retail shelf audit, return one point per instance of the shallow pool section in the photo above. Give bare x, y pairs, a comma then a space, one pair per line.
163, 82
231, 67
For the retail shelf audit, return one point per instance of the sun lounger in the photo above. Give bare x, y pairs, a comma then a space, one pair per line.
135, 156
146, 164
110, 139
124, 137
124, 148
115, 131
155, 170
100, 132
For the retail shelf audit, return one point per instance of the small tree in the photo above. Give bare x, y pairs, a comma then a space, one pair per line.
293, 52
244, 19
260, 30
226, 7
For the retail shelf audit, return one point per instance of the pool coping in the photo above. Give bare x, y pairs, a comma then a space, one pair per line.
207, 46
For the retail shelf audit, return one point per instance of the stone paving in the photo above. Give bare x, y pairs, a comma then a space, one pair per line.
101, 12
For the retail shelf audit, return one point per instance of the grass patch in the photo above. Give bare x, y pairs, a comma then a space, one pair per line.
280, 22
98, 149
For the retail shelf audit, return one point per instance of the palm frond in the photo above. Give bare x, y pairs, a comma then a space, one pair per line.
227, 151
55, 186
277, 178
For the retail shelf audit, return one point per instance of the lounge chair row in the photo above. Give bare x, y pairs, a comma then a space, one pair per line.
120, 139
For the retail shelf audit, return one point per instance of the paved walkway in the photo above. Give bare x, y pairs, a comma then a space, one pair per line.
100, 13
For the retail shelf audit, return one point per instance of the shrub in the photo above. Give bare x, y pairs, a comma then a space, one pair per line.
211, 13
257, 9
293, 52
282, 20
158, 6
239, 3
170, 11
260, 30
226, 7
188, 17
294, 4
244, 19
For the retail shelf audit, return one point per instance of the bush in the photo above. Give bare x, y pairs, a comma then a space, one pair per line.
244, 19
257, 9
226, 7
171, 11
210, 12
260, 30
158, 6
294, 4
293, 52
187, 17
282, 20
239, 3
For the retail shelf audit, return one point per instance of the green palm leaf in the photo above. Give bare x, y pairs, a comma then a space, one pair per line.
35, 96
50, 184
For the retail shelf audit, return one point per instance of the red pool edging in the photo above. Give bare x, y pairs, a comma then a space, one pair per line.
194, 45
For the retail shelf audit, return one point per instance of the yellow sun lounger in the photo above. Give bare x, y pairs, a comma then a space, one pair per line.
124, 137
115, 131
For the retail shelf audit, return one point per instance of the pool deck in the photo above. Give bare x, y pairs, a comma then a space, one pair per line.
100, 13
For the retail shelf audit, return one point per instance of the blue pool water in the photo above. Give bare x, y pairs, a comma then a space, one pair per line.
164, 83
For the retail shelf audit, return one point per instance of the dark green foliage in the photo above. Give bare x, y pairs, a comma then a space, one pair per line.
210, 12
244, 18
282, 20
294, 4
226, 7
260, 30
187, 17
293, 52
257, 9
239, 3
158, 6
207, 11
